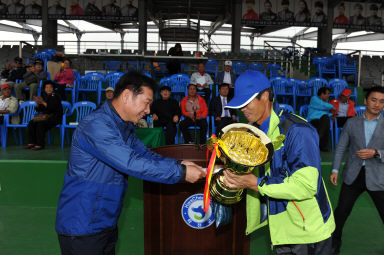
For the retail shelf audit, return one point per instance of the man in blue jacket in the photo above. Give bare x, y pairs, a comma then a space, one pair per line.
318, 115
104, 152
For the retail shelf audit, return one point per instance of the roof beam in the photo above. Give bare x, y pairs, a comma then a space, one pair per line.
359, 38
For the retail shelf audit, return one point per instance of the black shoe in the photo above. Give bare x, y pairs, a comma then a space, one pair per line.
336, 244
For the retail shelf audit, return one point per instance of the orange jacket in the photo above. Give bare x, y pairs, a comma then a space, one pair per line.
351, 107
203, 112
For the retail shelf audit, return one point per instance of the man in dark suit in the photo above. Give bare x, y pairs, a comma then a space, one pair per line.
363, 138
222, 117
228, 77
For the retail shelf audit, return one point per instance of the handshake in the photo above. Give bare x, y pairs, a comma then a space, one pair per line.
194, 172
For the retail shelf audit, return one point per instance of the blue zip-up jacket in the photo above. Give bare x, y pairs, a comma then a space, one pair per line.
104, 152
317, 108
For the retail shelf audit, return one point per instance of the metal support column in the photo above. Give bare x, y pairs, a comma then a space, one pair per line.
324, 35
142, 25
122, 35
78, 35
49, 28
236, 26
359, 70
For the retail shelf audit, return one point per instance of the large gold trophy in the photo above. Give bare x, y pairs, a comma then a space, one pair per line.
241, 147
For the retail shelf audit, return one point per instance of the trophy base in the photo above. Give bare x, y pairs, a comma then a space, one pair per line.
223, 194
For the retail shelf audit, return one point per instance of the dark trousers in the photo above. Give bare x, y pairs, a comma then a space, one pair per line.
37, 130
321, 248
61, 91
348, 197
170, 131
188, 122
322, 125
222, 123
341, 121
207, 94
99, 244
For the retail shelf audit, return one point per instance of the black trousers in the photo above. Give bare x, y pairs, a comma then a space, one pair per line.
61, 91
322, 125
348, 197
99, 244
320, 248
341, 121
207, 94
170, 131
37, 130
222, 123
188, 122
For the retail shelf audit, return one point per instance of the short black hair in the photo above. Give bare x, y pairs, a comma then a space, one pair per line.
285, 2
67, 59
319, 4
189, 85
323, 90
223, 85
45, 83
374, 89
271, 95
165, 88
134, 81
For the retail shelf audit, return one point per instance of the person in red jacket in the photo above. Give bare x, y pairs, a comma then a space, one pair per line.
344, 107
195, 111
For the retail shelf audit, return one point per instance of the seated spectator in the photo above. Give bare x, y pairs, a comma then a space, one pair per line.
227, 77
344, 107
6, 71
50, 114
17, 72
64, 78
166, 113
194, 110
202, 80
222, 117
109, 93
8, 104
31, 79
318, 115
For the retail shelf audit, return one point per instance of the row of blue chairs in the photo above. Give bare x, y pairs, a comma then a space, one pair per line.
337, 65
294, 89
72, 115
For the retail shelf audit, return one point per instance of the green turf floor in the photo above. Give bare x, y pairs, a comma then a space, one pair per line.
30, 183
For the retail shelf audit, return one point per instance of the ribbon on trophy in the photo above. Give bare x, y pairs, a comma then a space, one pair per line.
208, 177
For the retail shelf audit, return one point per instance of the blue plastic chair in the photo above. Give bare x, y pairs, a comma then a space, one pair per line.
257, 67
325, 65
317, 83
91, 82
281, 87
44, 56
80, 110
112, 66
26, 112
302, 90
286, 107
179, 84
148, 75
275, 70
112, 79
303, 112
184, 68
360, 110
239, 68
211, 68
133, 65
337, 85
66, 110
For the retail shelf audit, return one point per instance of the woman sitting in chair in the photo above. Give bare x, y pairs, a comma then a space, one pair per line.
64, 78
50, 114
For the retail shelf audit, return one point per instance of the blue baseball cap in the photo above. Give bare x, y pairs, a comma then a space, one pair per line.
247, 87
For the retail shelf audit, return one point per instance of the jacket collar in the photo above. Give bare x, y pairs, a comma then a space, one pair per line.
108, 107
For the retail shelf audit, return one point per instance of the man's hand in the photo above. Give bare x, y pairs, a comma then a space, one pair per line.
175, 118
199, 117
154, 116
333, 178
194, 172
365, 153
191, 115
234, 181
205, 85
218, 118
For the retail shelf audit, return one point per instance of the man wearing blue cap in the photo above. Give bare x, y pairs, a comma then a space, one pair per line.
300, 216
